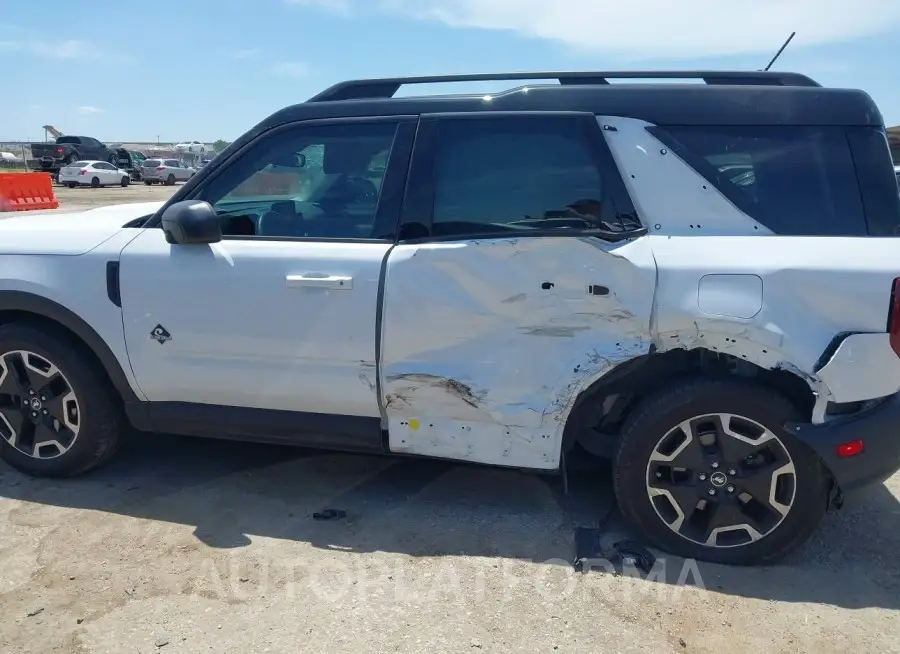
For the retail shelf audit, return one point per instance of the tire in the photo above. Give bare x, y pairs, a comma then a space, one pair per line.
114, 160
96, 418
126, 180
148, 182
95, 182
651, 430
71, 184
72, 158
170, 180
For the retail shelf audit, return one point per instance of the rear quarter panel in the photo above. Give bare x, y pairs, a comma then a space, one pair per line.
807, 292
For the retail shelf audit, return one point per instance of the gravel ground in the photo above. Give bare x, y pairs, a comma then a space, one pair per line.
81, 199
190, 545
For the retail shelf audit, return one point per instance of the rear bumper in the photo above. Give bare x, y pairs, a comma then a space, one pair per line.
879, 430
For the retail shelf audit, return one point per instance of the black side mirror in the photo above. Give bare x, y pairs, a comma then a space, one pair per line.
191, 222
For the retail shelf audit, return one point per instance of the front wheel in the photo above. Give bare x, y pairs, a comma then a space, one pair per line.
57, 413
705, 470
126, 180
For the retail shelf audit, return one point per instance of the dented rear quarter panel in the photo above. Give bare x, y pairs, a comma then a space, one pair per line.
811, 291
487, 343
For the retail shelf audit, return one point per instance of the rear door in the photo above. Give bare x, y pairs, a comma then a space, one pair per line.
510, 289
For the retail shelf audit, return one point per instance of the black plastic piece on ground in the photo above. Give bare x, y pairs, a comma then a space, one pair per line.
587, 548
330, 514
632, 553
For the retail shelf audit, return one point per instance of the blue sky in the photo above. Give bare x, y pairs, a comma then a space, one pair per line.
209, 69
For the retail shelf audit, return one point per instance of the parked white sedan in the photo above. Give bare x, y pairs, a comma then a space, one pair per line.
94, 174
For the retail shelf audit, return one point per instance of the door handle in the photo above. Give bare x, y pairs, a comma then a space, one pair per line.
319, 281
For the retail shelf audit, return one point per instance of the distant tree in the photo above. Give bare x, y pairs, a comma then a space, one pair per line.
220, 145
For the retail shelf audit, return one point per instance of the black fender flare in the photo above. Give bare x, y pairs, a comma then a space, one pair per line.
21, 301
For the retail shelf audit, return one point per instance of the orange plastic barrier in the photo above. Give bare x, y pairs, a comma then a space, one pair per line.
25, 191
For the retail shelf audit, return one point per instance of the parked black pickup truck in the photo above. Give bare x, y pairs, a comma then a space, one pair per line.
68, 149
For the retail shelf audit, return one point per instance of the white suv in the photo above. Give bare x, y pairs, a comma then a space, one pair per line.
698, 281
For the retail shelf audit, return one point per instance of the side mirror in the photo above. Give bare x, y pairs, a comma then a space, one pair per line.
191, 222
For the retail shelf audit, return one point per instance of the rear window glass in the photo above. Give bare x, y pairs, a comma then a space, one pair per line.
68, 139
152, 162
797, 181
79, 164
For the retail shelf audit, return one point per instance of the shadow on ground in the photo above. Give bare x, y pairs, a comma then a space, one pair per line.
229, 491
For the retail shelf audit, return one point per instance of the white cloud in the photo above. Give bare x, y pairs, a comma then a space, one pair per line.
87, 109
70, 49
292, 69
643, 29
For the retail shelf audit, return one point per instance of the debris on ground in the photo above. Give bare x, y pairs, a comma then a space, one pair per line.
330, 514
34, 612
590, 553
632, 553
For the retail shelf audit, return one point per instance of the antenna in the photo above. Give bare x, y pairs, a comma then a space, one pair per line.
780, 50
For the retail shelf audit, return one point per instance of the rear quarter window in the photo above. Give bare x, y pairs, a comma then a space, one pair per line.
797, 181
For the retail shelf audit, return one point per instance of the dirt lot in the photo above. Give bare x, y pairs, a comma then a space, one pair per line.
79, 199
184, 545
188, 545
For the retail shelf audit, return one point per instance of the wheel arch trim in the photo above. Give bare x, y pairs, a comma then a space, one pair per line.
42, 307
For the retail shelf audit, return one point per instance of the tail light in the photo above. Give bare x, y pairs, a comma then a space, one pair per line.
83, 171
160, 169
894, 317
59, 150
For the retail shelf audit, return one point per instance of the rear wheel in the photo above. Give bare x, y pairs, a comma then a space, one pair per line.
148, 182
71, 184
95, 182
57, 413
170, 180
705, 470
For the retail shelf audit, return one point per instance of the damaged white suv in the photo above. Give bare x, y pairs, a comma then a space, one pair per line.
699, 281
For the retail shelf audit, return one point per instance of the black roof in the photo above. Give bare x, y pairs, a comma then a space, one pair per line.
719, 98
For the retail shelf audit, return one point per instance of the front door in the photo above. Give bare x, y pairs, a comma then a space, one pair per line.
281, 314
513, 288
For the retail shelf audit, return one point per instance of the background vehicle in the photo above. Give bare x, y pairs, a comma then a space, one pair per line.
93, 173
404, 275
131, 162
191, 147
69, 149
165, 171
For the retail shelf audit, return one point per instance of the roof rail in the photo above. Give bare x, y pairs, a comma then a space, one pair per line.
386, 87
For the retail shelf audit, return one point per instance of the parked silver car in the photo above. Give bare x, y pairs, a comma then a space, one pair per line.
166, 171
